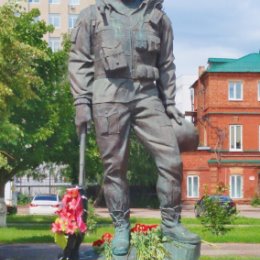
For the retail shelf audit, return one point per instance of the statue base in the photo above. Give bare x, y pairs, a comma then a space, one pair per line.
176, 250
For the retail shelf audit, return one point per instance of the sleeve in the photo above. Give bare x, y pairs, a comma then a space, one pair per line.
81, 60
166, 66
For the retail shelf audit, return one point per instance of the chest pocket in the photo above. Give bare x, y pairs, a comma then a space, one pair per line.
146, 40
111, 52
112, 56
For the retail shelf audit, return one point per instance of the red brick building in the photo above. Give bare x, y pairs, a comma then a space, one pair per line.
227, 115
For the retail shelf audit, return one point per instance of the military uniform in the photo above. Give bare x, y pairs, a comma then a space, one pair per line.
121, 64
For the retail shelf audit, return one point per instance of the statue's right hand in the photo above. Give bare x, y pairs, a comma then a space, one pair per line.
83, 116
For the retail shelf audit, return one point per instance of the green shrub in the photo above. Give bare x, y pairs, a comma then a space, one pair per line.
92, 217
255, 202
216, 217
23, 199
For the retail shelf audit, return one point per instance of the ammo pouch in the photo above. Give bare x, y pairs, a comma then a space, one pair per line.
112, 56
111, 53
146, 72
145, 41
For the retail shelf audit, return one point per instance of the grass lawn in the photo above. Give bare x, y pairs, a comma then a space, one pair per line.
36, 229
13, 219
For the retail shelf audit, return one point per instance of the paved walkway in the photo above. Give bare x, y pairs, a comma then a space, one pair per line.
51, 251
187, 211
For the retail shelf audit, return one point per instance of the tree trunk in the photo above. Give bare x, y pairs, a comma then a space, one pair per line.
3, 212
3, 209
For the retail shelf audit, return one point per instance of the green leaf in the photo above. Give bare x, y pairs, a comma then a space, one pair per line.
61, 240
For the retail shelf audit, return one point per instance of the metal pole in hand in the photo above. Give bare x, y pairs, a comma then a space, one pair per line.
82, 149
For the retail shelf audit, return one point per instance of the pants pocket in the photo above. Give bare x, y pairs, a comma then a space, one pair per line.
106, 120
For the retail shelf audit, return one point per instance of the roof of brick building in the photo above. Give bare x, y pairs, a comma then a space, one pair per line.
248, 63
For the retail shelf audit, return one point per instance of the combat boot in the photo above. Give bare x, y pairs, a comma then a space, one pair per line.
121, 240
172, 228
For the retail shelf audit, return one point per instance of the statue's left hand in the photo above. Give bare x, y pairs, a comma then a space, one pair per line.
174, 113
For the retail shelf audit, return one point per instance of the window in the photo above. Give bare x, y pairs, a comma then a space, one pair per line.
34, 1
258, 90
74, 2
54, 43
236, 184
54, 19
235, 90
235, 138
72, 20
193, 186
54, 1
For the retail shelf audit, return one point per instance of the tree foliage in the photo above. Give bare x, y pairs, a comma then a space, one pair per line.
32, 80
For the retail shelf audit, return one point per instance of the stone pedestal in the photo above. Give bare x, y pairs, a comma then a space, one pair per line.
177, 251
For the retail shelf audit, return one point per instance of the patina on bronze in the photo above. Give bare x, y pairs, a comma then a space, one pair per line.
122, 75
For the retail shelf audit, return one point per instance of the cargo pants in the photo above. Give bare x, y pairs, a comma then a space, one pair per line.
153, 128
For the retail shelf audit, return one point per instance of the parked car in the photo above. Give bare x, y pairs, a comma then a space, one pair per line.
225, 201
45, 204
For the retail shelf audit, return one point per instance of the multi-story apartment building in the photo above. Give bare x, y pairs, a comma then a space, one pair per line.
62, 14
227, 115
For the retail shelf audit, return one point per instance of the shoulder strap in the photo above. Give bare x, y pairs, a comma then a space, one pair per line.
156, 16
93, 18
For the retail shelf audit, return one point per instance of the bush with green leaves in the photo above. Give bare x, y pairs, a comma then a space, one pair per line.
215, 217
255, 202
23, 199
92, 218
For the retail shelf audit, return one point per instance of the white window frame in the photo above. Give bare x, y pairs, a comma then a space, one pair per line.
53, 18
72, 20
190, 190
258, 91
74, 2
55, 43
235, 83
233, 138
33, 1
54, 2
235, 195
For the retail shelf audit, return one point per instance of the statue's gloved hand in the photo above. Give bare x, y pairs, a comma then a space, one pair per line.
83, 116
174, 113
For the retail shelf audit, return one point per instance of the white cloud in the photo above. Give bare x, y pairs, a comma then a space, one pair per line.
188, 59
205, 28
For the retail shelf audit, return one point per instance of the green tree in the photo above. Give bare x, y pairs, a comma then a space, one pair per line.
35, 113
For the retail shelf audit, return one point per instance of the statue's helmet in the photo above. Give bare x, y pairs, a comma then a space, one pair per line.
186, 134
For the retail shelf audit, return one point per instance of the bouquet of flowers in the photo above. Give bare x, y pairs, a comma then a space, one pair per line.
70, 219
146, 239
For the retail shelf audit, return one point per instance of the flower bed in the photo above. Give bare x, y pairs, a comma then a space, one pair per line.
146, 239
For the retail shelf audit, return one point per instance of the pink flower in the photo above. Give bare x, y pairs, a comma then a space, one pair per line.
70, 216
71, 228
56, 227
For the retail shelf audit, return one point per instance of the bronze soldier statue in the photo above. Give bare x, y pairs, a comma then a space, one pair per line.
122, 73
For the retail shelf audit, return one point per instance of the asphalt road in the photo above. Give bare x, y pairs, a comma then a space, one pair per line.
51, 251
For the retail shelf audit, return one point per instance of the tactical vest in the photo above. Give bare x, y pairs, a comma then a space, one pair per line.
127, 49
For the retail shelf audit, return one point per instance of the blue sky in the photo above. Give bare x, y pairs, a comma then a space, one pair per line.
212, 28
